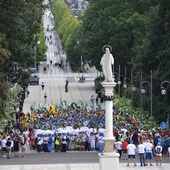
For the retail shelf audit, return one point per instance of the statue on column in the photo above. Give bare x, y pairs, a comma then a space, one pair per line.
106, 62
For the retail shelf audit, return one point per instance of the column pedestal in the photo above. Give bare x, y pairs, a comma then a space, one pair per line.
108, 160
108, 145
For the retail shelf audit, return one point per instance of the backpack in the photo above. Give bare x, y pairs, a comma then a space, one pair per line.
158, 150
50, 140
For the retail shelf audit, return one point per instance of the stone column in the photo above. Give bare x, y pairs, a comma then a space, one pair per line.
109, 158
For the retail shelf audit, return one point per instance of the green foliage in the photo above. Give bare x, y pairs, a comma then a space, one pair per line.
66, 25
98, 82
3, 85
154, 55
3, 49
20, 22
24, 79
143, 117
41, 47
120, 24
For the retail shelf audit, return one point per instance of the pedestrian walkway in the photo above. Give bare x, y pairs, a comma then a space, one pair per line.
55, 78
77, 166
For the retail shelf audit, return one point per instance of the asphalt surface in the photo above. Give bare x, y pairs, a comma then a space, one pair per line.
55, 78
69, 157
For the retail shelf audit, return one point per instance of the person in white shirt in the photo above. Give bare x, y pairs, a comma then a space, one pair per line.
131, 153
158, 150
118, 146
64, 143
141, 151
39, 143
169, 151
93, 142
3, 145
149, 156
12, 147
45, 142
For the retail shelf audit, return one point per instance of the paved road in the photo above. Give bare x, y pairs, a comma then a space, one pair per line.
68, 161
53, 158
55, 78
70, 157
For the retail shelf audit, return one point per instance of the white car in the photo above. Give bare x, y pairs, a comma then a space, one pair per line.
34, 79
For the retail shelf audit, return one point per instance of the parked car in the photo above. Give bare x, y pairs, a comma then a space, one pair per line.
34, 79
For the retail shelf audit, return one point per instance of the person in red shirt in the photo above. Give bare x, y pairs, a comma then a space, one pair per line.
124, 149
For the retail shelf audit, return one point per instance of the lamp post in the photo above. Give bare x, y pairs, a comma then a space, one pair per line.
142, 91
125, 84
35, 48
163, 89
131, 87
163, 92
118, 80
81, 59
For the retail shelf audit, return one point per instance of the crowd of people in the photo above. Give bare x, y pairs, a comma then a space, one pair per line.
146, 149
12, 143
81, 129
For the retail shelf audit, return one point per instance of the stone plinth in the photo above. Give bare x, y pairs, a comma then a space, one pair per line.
109, 93
108, 161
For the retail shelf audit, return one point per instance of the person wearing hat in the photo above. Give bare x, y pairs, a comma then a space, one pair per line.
141, 151
149, 156
158, 150
131, 153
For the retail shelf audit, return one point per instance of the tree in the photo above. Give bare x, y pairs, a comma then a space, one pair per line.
3, 85
117, 23
154, 55
21, 28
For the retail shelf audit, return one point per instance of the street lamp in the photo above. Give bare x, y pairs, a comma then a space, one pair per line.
118, 80
142, 91
81, 60
124, 82
163, 89
35, 48
163, 92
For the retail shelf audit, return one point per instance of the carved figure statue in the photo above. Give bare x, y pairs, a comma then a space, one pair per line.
106, 62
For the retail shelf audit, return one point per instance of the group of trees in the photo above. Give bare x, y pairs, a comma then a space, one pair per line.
20, 29
137, 31
67, 26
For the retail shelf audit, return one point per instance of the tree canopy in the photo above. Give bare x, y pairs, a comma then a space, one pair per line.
20, 29
138, 32
20, 22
